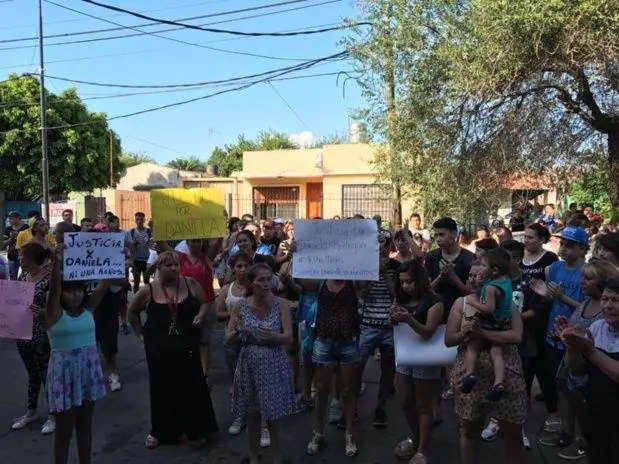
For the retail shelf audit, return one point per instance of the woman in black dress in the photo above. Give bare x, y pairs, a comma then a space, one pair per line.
180, 402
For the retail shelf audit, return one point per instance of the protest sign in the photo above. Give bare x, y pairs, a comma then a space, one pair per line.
412, 350
182, 214
335, 249
94, 256
56, 209
16, 297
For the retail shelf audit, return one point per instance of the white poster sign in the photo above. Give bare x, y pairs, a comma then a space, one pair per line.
336, 249
94, 256
412, 350
56, 209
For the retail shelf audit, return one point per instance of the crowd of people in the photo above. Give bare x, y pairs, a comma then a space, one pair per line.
516, 310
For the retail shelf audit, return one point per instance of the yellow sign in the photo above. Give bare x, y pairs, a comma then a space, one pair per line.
181, 214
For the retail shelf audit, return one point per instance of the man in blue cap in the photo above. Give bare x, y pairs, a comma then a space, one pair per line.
563, 288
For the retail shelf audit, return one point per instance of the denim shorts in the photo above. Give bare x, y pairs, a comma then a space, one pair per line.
328, 351
374, 337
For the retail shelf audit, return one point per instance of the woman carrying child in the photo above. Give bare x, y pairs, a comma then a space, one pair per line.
493, 308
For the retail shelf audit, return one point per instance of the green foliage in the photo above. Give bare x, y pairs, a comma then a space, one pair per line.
592, 186
129, 159
188, 164
485, 89
72, 151
230, 157
331, 139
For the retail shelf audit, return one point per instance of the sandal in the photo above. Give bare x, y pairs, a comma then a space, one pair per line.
496, 392
151, 442
405, 449
469, 383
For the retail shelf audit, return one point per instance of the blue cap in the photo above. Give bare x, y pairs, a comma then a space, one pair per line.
574, 234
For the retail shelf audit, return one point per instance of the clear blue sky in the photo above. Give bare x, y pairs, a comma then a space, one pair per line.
196, 128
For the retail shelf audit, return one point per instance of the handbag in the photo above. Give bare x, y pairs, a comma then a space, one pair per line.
309, 338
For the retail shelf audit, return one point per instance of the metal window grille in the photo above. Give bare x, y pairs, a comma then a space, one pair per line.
366, 199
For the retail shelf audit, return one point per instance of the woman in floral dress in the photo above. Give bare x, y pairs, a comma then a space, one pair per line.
263, 385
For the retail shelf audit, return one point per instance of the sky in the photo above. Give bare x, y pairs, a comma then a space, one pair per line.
303, 108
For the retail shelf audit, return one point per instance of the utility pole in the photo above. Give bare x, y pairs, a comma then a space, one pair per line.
391, 115
43, 105
111, 159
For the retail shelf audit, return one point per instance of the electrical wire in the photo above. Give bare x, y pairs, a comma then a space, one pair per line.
292, 110
335, 57
67, 21
156, 23
223, 31
24, 103
233, 52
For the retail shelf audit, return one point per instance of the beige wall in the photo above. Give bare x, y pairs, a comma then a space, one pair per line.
149, 174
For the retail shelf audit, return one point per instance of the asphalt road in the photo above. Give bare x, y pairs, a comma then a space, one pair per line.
122, 422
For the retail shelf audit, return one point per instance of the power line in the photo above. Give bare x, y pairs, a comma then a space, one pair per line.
24, 103
171, 105
233, 52
124, 36
334, 57
66, 21
292, 110
223, 31
156, 23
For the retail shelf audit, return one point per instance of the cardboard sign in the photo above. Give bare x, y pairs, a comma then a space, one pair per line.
335, 249
412, 350
94, 256
56, 209
16, 317
182, 214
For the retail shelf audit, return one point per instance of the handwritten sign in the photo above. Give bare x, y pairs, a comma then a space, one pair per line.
181, 214
94, 256
335, 249
15, 314
56, 209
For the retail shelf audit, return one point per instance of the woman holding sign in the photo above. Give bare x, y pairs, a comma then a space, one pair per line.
180, 402
35, 352
422, 309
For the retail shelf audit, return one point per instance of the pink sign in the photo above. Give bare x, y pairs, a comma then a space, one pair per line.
16, 297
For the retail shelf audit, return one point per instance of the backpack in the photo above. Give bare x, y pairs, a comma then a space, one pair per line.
149, 232
307, 345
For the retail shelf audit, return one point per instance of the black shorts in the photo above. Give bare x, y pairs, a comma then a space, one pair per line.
106, 322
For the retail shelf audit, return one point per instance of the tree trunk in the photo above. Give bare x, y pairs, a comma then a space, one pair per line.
613, 160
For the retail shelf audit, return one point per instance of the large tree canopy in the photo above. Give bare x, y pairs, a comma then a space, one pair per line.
488, 88
230, 158
79, 156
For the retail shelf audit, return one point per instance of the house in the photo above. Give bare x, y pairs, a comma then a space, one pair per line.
145, 176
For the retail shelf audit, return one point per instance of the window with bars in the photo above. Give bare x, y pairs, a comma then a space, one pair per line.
366, 199
272, 202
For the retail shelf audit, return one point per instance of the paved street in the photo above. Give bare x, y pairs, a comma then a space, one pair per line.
122, 421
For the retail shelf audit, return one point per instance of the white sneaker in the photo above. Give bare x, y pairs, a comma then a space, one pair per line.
525, 441
49, 427
24, 420
114, 381
335, 412
265, 438
491, 431
314, 446
237, 426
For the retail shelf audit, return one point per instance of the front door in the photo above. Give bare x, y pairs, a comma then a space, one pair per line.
314, 200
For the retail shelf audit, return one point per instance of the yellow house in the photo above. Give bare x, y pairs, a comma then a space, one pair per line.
303, 183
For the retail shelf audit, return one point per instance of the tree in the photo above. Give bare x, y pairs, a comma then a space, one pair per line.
489, 88
188, 164
592, 184
130, 158
83, 147
331, 139
230, 158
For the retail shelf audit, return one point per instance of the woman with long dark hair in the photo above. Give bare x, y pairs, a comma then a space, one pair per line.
35, 352
422, 309
180, 402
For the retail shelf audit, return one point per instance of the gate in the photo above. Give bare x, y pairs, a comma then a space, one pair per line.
128, 203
